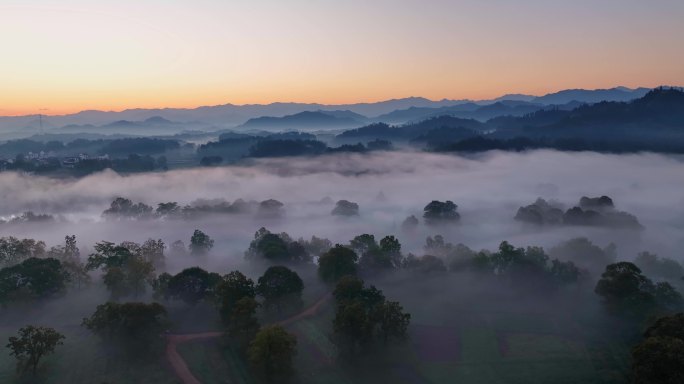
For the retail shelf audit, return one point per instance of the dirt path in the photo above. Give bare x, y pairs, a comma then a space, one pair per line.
181, 368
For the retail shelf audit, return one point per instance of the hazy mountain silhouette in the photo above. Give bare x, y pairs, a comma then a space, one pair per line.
307, 120
591, 96
391, 111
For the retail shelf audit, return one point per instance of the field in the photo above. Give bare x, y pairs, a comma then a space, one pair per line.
485, 347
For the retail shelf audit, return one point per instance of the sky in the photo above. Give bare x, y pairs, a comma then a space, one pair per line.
69, 55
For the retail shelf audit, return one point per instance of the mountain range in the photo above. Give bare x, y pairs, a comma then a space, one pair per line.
302, 115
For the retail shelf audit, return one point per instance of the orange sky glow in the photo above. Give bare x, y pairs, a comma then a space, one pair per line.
65, 56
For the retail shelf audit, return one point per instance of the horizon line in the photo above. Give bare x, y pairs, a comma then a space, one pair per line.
324, 104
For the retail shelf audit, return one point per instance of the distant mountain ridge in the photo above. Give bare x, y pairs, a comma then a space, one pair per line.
394, 111
307, 120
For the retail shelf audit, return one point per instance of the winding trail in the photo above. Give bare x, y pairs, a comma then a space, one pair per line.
182, 370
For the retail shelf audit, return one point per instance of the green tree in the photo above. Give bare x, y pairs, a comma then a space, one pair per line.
352, 327
392, 321
659, 358
200, 243
243, 325
425, 264
391, 248
364, 316
277, 248
192, 285
625, 290
14, 250
70, 257
271, 354
438, 212
137, 327
33, 278
32, 344
125, 270
281, 288
232, 288
153, 251
337, 262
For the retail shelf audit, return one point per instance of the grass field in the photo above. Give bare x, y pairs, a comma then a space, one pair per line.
82, 360
505, 348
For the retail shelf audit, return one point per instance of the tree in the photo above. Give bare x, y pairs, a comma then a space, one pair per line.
70, 257
393, 322
136, 326
178, 249
277, 248
232, 288
425, 264
35, 278
126, 272
372, 256
585, 254
243, 325
280, 287
659, 358
32, 344
153, 251
625, 290
438, 212
271, 353
192, 285
345, 208
168, 210
14, 250
391, 248
122, 208
200, 243
364, 315
662, 267
337, 262
410, 224
352, 326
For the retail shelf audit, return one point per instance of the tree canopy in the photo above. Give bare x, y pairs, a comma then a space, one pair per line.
32, 344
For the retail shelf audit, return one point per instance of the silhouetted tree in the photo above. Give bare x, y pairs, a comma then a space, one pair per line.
337, 262
271, 354
200, 243
345, 208
32, 344
438, 212
659, 358
281, 288
137, 327
243, 325
192, 285
232, 288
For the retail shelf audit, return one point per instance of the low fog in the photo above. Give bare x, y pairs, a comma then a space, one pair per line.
388, 187
476, 320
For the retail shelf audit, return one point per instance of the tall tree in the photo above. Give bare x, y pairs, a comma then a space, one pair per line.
364, 316
271, 353
32, 344
242, 324
137, 327
438, 212
200, 243
192, 285
126, 272
337, 262
281, 288
659, 358
232, 288
34, 277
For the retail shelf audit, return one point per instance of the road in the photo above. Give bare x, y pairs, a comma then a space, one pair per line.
181, 368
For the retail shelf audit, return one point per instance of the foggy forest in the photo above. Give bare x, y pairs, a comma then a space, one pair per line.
169, 215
